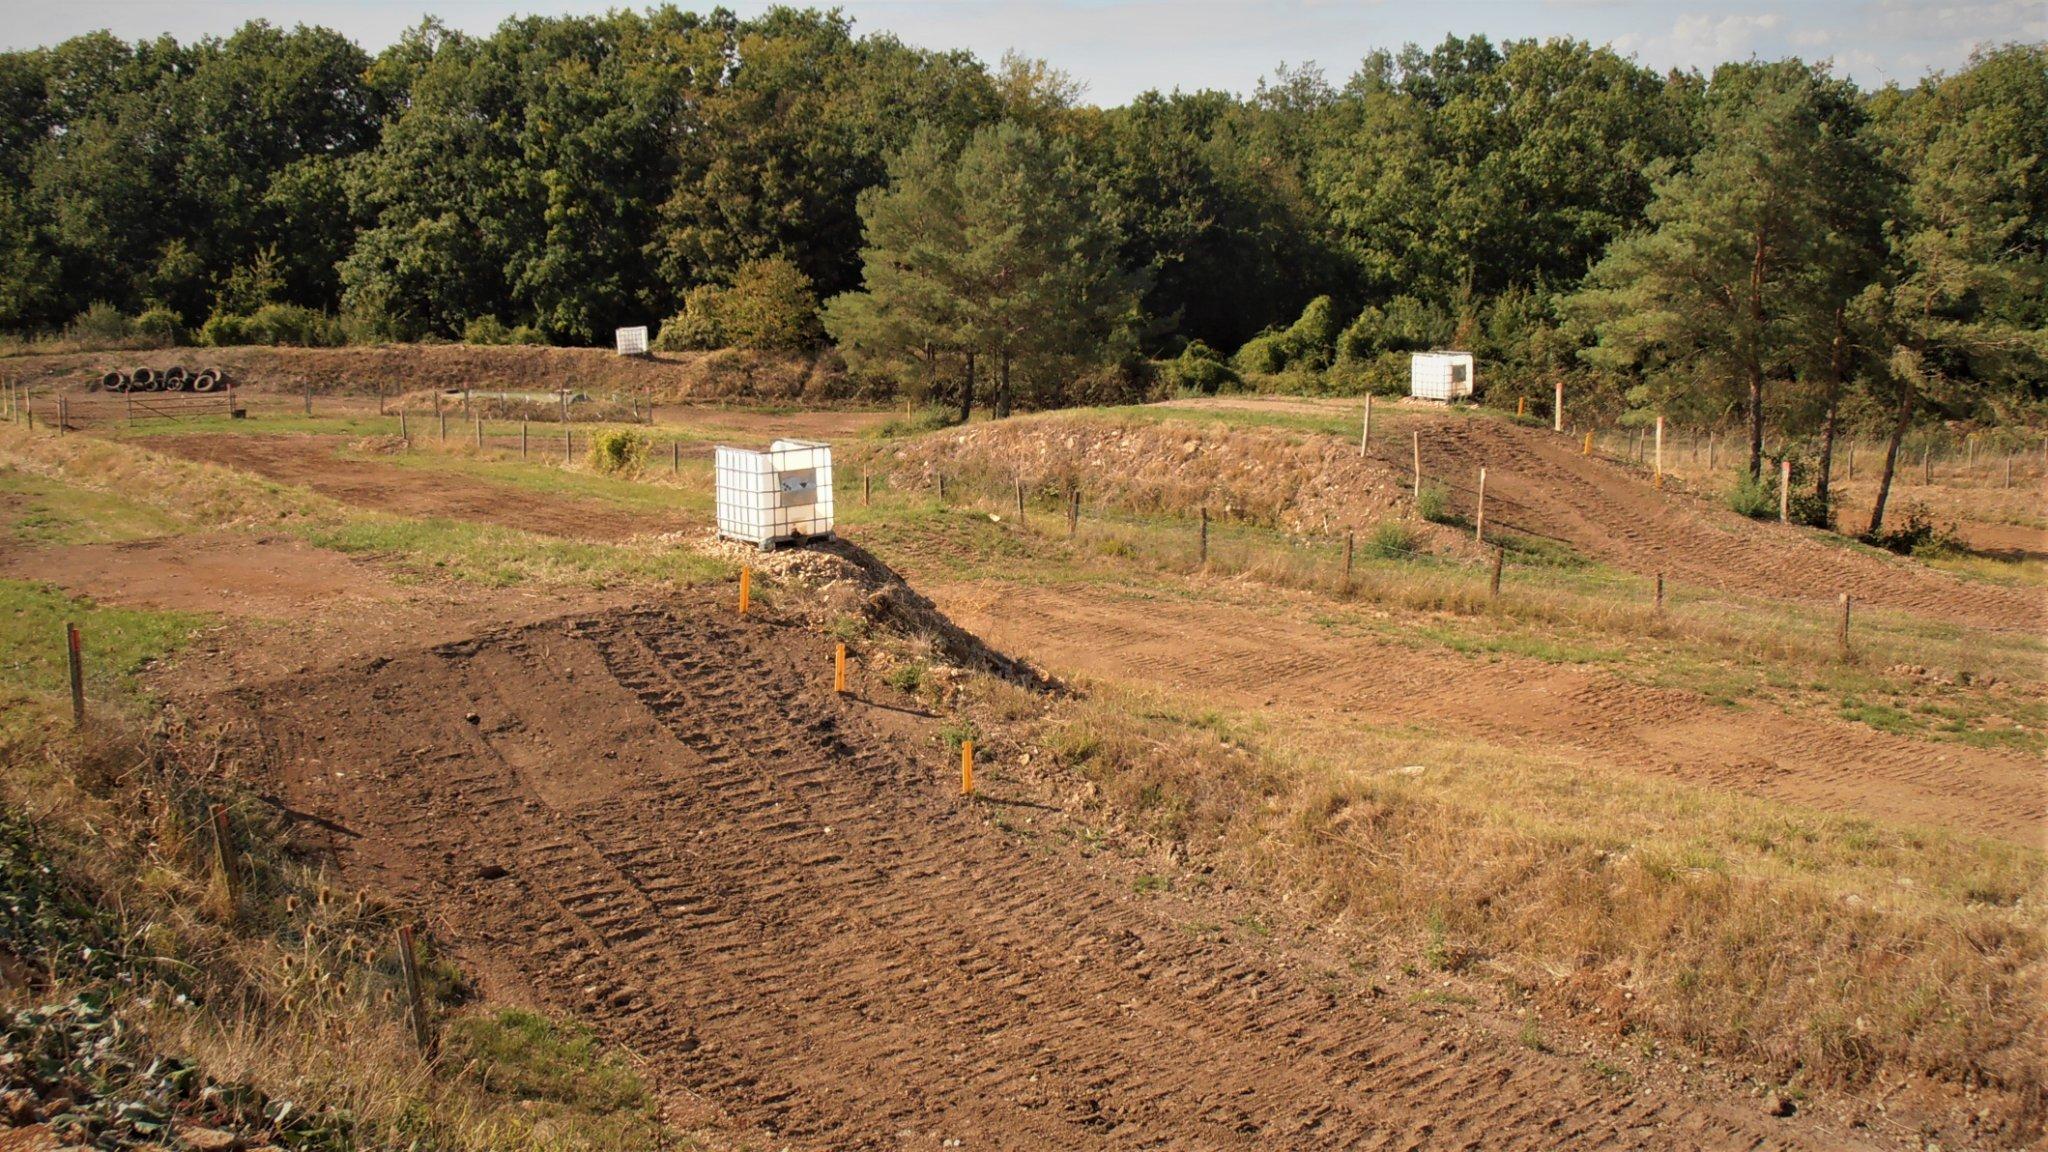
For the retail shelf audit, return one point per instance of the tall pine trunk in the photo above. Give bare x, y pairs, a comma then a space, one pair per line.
1755, 359
1837, 352
967, 391
1003, 386
1891, 457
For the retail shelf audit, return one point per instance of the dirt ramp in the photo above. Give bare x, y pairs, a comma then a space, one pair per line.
663, 820
1613, 513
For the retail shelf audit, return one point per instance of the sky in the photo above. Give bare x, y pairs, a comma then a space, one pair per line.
1120, 48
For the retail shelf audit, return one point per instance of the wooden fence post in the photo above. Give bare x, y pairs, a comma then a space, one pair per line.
867, 486
403, 433
443, 414
1205, 537
942, 487
1500, 561
1365, 432
522, 437
1659, 600
1350, 546
63, 414
1660, 452
1557, 408
75, 657
568, 446
479, 431
1019, 482
416, 1006
1784, 491
675, 457
2008, 470
1479, 519
1843, 628
1926, 465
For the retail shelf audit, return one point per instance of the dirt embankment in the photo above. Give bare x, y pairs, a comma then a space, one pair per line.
1536, 483
400, 368
664, 820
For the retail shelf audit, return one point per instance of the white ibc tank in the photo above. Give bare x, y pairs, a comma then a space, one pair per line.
783, 494
1440, 375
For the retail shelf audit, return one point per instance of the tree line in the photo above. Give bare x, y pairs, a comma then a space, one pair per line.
1764, 242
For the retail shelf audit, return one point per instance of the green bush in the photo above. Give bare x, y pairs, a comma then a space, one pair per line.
771, 307
162, 326
696, 328
1393, 540
1199, 369
101, 323
1434, 504
1311, 341
1918, 534
1757, 497
1262, 355
618, 451
224, 329
293, 325
486, 330
491, 330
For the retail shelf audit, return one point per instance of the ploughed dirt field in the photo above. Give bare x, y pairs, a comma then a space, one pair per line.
662, 819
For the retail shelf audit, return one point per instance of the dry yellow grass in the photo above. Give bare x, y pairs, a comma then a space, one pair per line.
1814, 950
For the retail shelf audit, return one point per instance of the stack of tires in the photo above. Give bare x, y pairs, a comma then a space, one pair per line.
172, 379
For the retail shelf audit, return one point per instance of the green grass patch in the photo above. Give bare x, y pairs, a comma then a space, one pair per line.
47, 511
498, 557
116, 643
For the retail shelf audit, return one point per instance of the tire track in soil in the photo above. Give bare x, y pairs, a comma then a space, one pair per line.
1252, 658
778, 907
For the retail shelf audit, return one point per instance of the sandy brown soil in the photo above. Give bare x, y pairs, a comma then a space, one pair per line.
663, 820
1216, 651
316, 462
1536, 483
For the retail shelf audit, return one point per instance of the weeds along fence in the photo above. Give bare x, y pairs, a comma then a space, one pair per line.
1522, 578
1927, 456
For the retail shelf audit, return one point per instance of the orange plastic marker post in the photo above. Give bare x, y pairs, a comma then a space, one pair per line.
967, 767
746, 588
839, 671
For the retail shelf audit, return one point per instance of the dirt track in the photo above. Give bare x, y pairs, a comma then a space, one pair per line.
1248, 658
772, 896
315, 462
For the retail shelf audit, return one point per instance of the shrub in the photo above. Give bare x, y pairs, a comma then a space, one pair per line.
223, 329
486, 330
1919, 535
618, 451
491, 330
161, 325
1757, 498
696, 328
1393, 540
101, 323
1434, 504
1262, 355
1311, 341
1200, 369
771, 307
293, 325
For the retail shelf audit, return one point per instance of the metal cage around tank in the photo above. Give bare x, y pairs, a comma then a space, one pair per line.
775, 497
